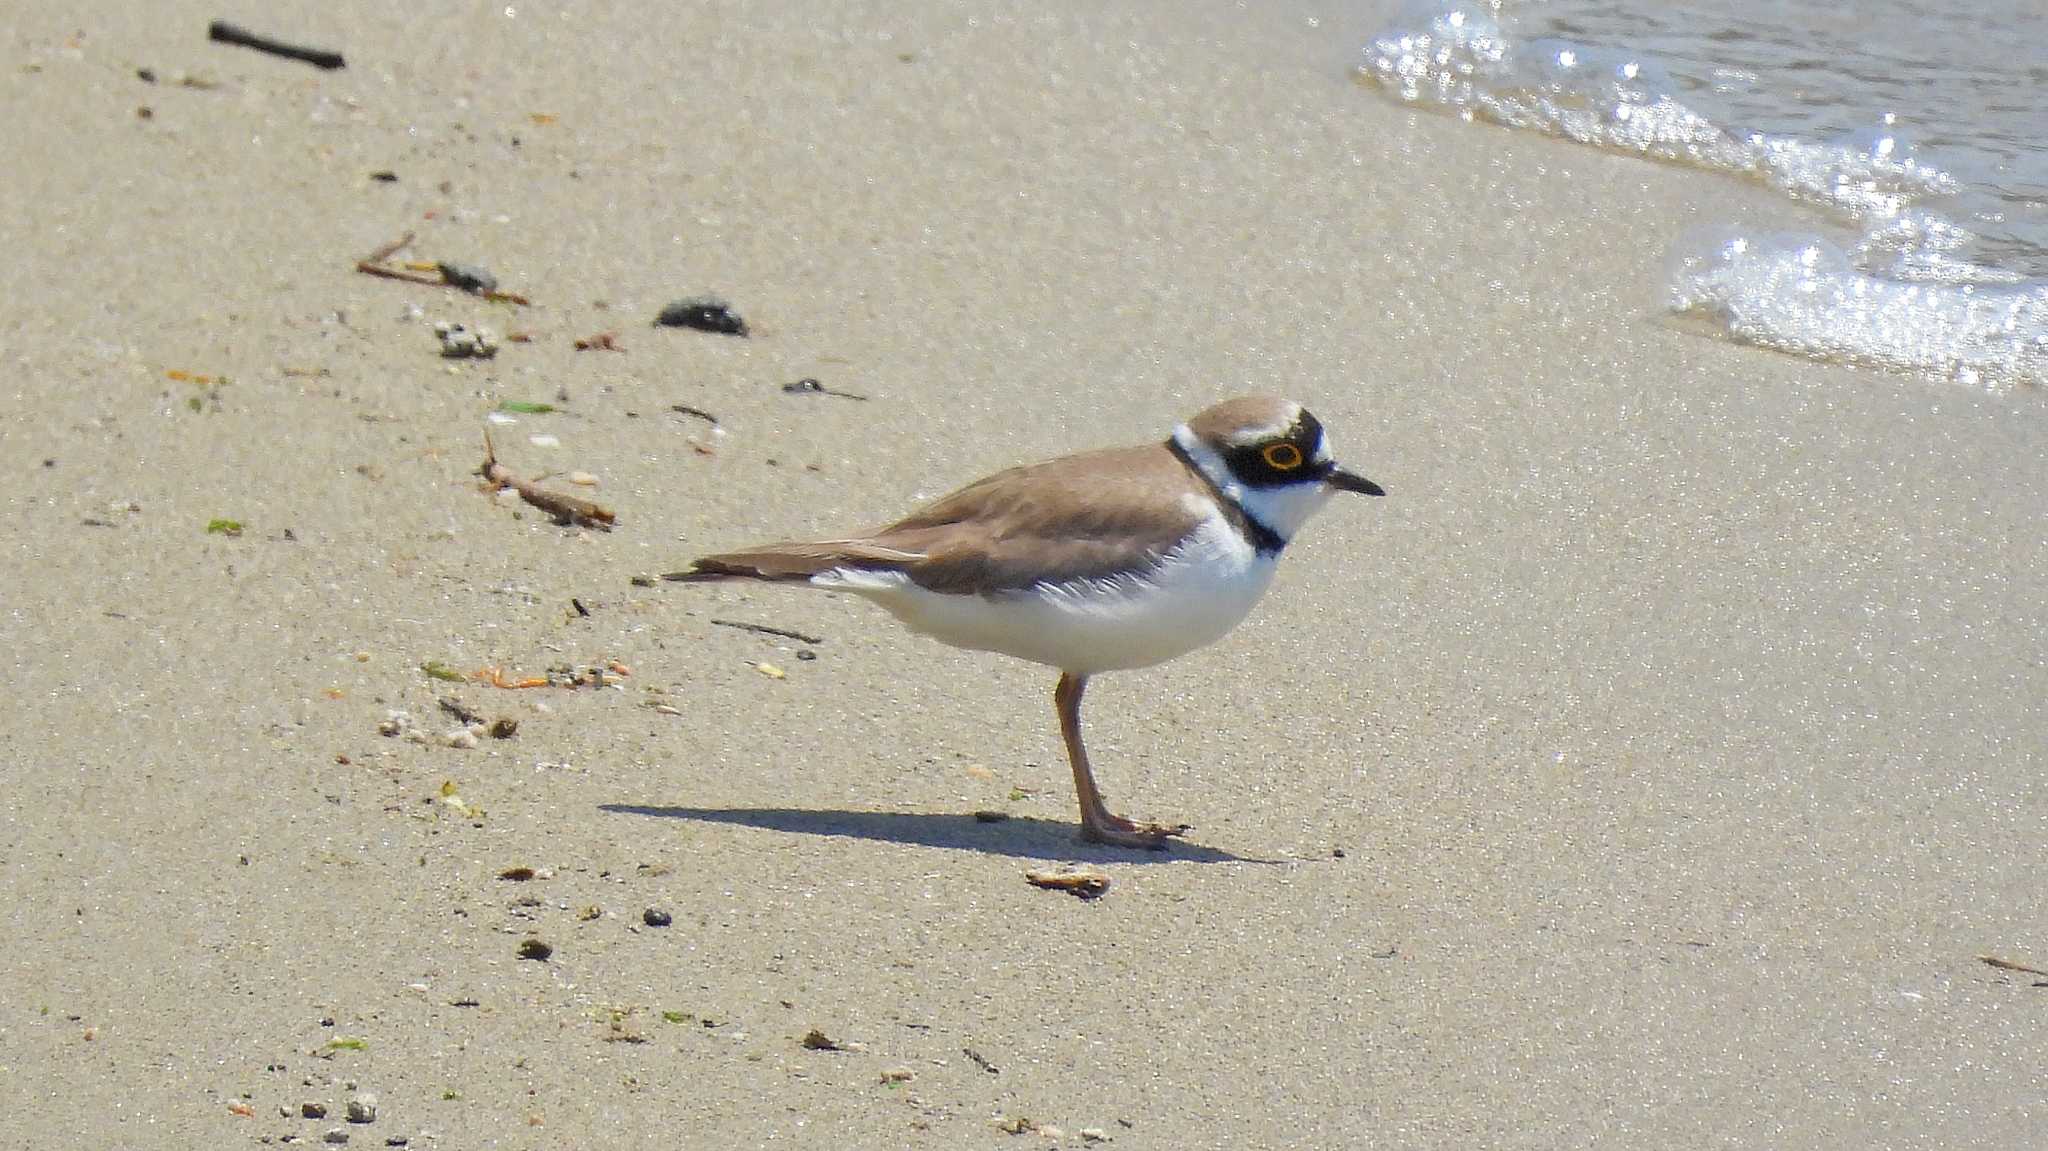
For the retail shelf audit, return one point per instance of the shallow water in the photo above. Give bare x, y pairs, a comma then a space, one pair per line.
1917, 129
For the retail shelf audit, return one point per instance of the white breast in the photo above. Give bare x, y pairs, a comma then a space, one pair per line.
1191, 597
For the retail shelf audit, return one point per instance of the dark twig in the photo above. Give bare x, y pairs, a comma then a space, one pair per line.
700, 413
810, 385
2009, 965
764, 629
227, 33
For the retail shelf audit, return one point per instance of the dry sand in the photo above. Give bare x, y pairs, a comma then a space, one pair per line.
1678, 716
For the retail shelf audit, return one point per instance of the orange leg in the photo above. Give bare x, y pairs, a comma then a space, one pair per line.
1097, 824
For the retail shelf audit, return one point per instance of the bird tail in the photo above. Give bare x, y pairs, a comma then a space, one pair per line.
790, 562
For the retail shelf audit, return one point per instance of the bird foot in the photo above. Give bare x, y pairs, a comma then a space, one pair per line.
1121, 832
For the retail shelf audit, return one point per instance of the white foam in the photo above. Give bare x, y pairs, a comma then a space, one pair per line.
1904, 299
1802, 295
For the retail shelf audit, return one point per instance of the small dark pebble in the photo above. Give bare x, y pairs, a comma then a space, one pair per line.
656, 917
705, 314
580, 609
51, 462
805, 655
313, 1110
643, 581
385, 177
1336, 853
146, 75
534, 949
469, 277
396, 1141
516, 874
145, 112
504, 727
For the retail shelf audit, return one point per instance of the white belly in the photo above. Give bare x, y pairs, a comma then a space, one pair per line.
1194, 596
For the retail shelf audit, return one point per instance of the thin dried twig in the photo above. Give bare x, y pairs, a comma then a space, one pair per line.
2009, 965
374, 265
565, 508
764, 629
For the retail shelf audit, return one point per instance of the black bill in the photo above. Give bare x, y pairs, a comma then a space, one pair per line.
1351, 482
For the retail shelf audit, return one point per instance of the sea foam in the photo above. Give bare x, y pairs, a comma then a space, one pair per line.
1901, 298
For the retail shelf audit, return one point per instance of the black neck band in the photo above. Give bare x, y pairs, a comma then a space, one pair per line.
1265, 539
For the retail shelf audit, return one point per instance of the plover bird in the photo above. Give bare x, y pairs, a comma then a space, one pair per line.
1090, 563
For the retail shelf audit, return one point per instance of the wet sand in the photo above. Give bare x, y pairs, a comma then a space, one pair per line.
1677, 716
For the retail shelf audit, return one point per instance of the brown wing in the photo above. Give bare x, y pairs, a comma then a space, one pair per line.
1082, 516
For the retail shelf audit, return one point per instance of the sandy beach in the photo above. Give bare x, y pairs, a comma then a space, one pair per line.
1651, 768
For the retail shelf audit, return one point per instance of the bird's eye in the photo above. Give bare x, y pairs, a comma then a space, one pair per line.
1282, 457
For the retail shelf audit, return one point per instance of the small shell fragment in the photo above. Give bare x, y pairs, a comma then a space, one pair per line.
770, 670
460, 343
1082, 884
583, 479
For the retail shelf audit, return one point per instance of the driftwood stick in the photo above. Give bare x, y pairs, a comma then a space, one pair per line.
226, 33
566, 508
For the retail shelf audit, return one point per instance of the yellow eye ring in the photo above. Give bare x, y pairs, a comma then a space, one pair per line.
1282, 457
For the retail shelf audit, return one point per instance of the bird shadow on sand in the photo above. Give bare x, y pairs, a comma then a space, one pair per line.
1025, 837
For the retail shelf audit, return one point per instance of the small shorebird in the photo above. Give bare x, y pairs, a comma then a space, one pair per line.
1089, 563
